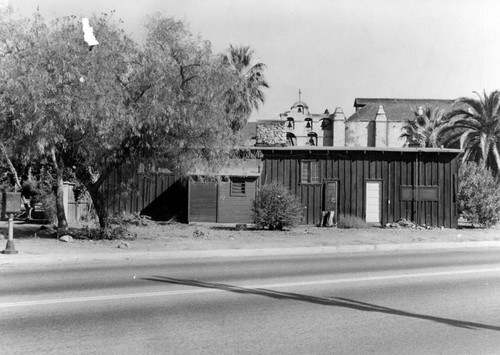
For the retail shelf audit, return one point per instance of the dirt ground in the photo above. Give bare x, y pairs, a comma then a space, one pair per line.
34, 239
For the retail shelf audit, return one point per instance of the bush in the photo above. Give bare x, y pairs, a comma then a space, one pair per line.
110, 233
199, 234
478, 195
276, 208
119, 226
348, 221
130, 219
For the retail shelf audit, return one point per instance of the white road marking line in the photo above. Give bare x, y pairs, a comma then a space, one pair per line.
236, 287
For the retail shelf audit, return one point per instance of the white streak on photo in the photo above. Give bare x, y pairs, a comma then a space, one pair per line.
88, 33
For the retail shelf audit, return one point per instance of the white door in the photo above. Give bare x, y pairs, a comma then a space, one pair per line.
373, 202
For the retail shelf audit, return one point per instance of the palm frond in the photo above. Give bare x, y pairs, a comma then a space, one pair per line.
247, 93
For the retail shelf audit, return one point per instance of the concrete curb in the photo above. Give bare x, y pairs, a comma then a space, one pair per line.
30, 259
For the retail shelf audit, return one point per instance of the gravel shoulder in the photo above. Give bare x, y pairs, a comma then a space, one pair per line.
30, 239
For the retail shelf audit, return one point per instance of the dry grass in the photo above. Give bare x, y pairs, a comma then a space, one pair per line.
348, 221
170, 237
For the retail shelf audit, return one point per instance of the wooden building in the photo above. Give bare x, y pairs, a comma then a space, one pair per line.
227, 199
380, 185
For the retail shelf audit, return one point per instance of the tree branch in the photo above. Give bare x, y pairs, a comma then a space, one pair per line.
11, 166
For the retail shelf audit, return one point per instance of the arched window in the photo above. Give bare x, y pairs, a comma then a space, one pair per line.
325, 123
300, 108
309, 123
291, 140
290, 123
312, 139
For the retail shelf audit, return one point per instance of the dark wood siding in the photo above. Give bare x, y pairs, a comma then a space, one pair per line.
214, 202
236, 209
352, 168
165, 195
161, 196
202, 201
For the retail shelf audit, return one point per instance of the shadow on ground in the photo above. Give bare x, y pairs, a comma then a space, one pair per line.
230, 228
24, 230
331, 301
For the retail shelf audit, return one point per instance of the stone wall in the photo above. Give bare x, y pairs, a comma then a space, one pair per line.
359, 134
362, 134
394, 135
271, 133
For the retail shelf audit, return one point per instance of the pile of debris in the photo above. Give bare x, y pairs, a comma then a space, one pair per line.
404, 223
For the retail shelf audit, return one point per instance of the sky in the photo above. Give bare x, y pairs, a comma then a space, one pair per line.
332, 50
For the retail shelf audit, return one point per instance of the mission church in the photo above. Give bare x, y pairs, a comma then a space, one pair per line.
376, 122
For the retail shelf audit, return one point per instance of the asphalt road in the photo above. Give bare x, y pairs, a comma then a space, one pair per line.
439, 302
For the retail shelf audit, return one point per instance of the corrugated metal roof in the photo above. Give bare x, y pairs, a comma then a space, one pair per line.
236, 167
367, 149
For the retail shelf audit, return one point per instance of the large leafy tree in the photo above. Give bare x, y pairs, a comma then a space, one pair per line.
93, 109
12, 26
248, 91
67, 99
183, 111
16, 41
424, 128
475, 124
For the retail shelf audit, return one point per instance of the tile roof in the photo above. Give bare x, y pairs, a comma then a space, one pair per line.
395, 109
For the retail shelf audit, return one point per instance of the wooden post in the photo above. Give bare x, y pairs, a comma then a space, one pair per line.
9, 248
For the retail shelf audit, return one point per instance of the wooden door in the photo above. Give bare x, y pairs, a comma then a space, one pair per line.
373, 201
331, 197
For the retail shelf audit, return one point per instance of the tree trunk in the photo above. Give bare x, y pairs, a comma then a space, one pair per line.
17, 182
93, 183
62, 223
98, 201
484, 144
497, 156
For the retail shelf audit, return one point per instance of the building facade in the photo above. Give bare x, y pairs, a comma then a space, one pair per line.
298, 127
376, 122
379, 122
379, 185
357, 167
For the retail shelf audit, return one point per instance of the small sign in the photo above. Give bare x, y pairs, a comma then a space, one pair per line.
420, 193
11, 202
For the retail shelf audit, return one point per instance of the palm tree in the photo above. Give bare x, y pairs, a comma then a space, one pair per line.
424, 128
475, 124
248, 92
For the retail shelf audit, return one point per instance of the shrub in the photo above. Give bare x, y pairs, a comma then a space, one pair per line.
199, 234
48, 202
478, 195
276, 208
348, 221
